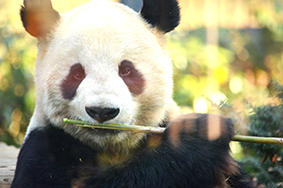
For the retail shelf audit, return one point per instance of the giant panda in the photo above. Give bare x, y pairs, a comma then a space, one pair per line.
104, 63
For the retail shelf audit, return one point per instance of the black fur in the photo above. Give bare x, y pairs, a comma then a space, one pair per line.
239, 180
71, 83
163, 14
52, 158
23, 15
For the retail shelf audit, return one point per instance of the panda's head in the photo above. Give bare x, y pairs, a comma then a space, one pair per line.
103, 63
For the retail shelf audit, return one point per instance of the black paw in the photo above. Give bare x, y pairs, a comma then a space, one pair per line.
209, 127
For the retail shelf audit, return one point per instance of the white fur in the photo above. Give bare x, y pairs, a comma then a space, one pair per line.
99, 35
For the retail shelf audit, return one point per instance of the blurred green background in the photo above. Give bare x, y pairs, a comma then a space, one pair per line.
222, 50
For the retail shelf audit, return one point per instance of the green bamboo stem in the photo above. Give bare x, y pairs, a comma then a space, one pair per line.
159, 130
135, 128
259, 140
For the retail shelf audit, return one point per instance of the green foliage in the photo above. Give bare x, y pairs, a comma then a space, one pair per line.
16, 84
232, 70
265, 161
201, 70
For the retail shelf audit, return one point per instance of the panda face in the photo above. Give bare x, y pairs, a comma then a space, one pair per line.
103, 63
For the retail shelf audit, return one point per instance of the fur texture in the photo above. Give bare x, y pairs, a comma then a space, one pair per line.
57, 159
103, 62
164, 14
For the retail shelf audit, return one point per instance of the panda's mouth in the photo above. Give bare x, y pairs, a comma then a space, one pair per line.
103, 131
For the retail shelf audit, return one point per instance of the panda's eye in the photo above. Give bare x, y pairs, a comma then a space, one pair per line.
78, 75
125, 71
72, 81
131, 77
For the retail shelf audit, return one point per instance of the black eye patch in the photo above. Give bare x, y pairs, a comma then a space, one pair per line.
71, 83
132, 77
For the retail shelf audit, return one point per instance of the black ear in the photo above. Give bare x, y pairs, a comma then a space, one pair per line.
38, 17
163, 14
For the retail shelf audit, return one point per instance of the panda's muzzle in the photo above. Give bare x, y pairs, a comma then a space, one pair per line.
102, 114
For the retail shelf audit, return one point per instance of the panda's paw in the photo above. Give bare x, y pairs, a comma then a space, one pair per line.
207, 127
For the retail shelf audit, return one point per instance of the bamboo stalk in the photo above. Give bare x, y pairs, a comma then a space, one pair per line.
259, 140
135, 128
159, 130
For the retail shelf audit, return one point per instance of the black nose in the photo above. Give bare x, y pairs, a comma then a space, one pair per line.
102, 114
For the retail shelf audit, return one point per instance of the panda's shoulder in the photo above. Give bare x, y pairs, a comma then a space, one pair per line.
52, 141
